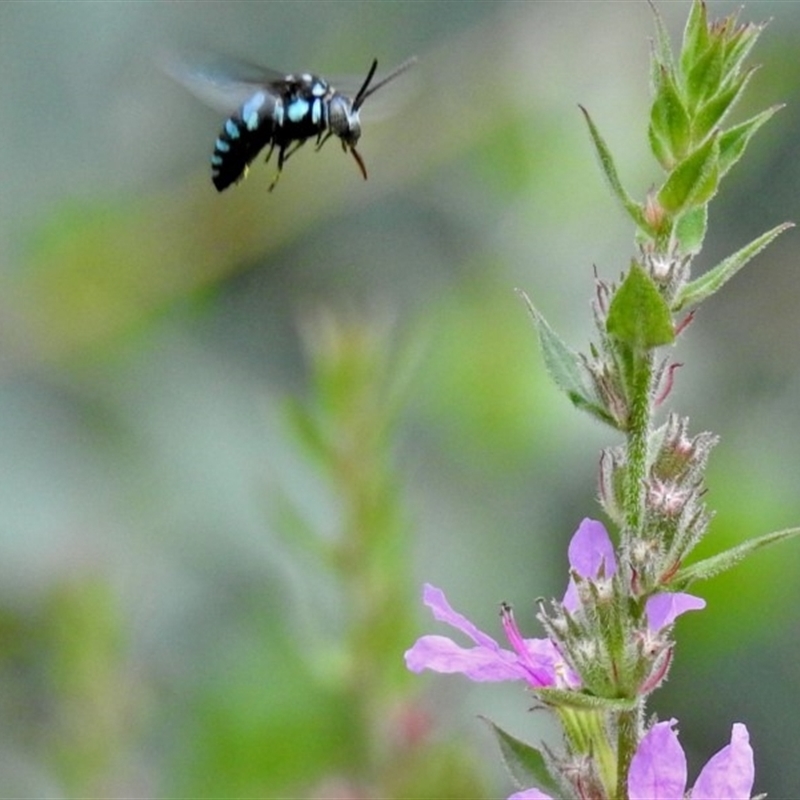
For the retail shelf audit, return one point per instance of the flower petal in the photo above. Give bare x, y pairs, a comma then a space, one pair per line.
658, 767
530, 794
663, 609
538, 662
478, 663
545, 666
590, 553
730, 773
591, 550
436, 601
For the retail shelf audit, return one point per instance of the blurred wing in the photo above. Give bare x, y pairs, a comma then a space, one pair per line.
221, 82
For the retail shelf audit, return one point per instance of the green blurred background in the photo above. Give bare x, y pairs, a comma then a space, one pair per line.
158, 634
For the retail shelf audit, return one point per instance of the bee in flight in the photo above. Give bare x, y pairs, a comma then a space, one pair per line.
284, 112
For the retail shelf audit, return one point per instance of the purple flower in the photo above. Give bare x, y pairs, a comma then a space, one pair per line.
536, 661
658, 768
663, 609
591, 555
530, 794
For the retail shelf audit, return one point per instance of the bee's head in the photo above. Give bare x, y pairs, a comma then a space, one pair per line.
343, 120
343, 117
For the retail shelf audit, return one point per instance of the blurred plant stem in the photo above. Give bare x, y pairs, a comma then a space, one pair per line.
348, 425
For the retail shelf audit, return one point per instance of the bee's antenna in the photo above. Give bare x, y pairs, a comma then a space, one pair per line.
364, 93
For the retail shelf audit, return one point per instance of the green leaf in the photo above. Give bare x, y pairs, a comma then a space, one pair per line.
661, 55
527, 764
566, 367
639, 315
713, 280
739, 45
669, 124
660, 148
610, 170
732, 143
690, 230
712, 112
722, 562
568, 698
705, 76
694, 181
696, 38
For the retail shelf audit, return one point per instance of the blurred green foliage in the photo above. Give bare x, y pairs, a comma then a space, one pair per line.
164, 630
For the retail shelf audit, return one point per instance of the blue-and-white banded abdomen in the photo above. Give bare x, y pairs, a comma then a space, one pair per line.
299, 113
242, 138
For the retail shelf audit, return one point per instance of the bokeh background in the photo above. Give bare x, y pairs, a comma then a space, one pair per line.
159, 635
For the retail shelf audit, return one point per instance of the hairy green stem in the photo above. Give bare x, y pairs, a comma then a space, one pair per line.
627, 741
637, 436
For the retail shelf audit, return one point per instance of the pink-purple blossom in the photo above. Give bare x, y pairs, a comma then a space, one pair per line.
658, 769
663, 609
536, 661
591, 556
530, 794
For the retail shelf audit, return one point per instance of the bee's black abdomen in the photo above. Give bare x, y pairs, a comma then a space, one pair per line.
242, 137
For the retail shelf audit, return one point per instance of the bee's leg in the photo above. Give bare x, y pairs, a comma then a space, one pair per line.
281, 159
321, 140
284, 151
284, 154
271, 148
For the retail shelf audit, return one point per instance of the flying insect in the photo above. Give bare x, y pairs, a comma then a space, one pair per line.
282, 112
